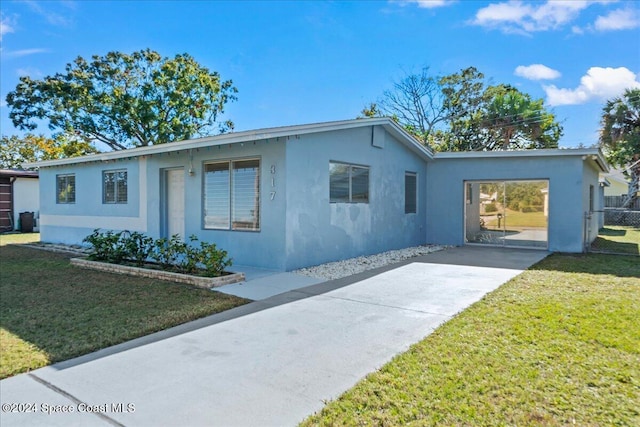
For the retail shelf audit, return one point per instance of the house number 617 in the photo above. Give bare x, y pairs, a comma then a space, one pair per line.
273, 182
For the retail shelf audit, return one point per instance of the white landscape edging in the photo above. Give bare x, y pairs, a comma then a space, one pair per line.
200, 282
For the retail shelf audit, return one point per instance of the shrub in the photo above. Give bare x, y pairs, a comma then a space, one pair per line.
138, 247
106, 246
490, 207
529, 209
213, 259
167, 251
171, 254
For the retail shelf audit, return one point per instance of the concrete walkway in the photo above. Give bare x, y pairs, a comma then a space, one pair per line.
271, 362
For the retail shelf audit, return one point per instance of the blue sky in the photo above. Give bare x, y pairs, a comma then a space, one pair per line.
311, 61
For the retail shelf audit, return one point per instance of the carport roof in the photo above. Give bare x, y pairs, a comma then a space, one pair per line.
588, 154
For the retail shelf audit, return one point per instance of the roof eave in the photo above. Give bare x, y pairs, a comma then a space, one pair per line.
593, 154
246, 136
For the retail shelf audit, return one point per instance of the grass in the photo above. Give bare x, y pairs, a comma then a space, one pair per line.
557, 345
618, 239
520, 219
51, 311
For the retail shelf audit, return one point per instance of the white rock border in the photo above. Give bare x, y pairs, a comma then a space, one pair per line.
348, 267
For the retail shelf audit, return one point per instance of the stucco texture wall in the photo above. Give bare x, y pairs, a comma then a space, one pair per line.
263, 248
319, 231
566, 176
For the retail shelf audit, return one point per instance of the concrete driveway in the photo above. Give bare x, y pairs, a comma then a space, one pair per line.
271, 362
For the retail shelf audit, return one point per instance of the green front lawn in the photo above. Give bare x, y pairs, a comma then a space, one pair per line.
518, 219
557, 345
51, 311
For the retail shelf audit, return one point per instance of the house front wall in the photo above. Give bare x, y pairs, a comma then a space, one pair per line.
69, 223
261, 248
146, 206
566, 205
318, 230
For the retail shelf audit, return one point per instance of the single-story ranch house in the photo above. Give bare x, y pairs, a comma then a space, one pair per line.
290, 197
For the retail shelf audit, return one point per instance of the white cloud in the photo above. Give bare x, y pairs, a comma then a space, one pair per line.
53, 18
537, 72
599, 83
518, 17
621, 19
425, 4
6, 26
23, 52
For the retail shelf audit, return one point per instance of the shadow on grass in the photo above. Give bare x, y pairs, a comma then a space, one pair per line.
615, 265
612, 232
605, 245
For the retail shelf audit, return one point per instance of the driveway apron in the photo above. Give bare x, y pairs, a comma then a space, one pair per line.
277, 362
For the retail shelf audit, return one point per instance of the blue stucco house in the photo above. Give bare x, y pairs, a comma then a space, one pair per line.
289, 197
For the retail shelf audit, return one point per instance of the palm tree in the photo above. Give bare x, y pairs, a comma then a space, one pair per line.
620, 138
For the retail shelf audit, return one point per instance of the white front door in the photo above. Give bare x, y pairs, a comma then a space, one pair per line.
175, 202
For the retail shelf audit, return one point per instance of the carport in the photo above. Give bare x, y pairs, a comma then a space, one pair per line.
531, 198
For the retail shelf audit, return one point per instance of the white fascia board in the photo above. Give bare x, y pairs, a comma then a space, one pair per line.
246, 136
593, 154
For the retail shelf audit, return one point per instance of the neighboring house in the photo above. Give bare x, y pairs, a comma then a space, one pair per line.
19, 192
296, 196
618, 183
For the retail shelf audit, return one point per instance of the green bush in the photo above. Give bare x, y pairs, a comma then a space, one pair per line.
530, 209
490, 207
171, 254
137, 246
107, 246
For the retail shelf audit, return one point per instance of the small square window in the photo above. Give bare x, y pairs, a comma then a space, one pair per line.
114, 186
348, 183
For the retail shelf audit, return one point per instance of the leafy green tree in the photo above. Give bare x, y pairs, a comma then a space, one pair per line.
370, 111
512, 120
464, 101
459, 112
620, 138
125, 100
15, 150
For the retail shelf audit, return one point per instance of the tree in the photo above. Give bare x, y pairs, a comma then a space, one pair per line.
416, 102
459, 112
512, 120
15, 150
464, 101
620, 138
126, 100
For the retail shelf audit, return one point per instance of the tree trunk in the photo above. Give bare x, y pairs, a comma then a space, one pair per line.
634, 187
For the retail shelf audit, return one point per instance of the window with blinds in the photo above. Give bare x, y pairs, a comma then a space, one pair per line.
232, 195
348, 183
